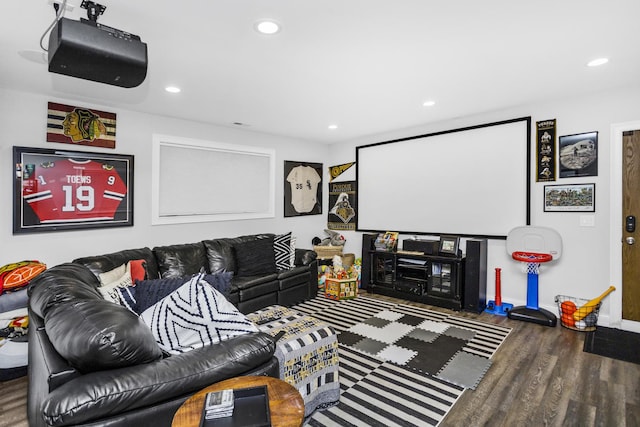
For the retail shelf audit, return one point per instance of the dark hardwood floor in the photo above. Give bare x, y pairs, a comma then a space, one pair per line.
540, 377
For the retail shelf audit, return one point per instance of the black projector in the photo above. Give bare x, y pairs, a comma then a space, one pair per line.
91, 51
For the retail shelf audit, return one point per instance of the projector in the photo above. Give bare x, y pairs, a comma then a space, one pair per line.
91, 51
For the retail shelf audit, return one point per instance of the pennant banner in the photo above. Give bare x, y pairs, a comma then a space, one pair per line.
336, 171
342, 204
546, 150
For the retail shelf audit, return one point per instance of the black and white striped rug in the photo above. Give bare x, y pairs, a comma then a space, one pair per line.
378, 392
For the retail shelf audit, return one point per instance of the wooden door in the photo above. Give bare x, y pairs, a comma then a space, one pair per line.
631, 239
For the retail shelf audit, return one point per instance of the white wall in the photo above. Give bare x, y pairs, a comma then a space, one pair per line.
23, 123
584, 269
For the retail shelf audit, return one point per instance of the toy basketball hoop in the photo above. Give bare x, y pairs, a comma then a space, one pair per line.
533, 246
532, 260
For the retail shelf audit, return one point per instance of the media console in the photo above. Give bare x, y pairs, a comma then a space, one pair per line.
454, 282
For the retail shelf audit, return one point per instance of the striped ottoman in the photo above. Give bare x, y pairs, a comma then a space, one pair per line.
307, 353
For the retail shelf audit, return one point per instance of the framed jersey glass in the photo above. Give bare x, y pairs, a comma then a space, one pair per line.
59, 190
302, 188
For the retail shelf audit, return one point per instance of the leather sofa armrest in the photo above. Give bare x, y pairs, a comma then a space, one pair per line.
99, 394
305, 256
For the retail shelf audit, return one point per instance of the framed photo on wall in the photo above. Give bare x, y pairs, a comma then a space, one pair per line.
579, 155
59, 190
302, 188
570, 198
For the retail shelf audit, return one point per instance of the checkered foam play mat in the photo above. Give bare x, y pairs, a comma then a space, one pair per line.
401, 365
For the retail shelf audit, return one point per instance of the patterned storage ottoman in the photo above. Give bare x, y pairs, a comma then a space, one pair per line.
307, 353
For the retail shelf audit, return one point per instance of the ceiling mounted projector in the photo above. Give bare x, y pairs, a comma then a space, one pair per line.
91, 51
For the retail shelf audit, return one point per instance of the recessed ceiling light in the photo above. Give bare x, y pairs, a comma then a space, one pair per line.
267, 27
597, 62
172, 89
429, 103
333, 127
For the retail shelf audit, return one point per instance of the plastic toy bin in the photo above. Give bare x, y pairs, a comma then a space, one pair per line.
568, 305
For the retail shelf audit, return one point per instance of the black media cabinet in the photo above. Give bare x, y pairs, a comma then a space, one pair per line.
457, 283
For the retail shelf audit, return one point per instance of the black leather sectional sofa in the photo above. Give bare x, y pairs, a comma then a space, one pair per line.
112, 374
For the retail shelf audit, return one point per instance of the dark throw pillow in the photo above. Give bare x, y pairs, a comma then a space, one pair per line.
255, 257
148, 292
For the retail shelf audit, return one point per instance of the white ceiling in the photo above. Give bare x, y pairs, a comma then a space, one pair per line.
364, 65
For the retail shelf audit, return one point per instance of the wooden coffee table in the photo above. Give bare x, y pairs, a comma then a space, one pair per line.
286, 406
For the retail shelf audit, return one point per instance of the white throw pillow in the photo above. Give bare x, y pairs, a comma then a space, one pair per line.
282, 248
110, 281
292, 259
193, 316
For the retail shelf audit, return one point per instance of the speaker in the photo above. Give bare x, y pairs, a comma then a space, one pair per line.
428, 247
367, 247
91, 51
475, 276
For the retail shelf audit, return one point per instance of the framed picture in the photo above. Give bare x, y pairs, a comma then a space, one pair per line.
70, 124
570, 198
579, 155
449, 245
59, 190
302, 188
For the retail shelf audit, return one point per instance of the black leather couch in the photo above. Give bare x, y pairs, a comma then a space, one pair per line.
111, 372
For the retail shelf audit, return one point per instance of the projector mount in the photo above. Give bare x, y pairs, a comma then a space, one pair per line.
93, 9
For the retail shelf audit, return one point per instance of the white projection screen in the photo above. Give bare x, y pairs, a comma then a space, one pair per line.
470, 182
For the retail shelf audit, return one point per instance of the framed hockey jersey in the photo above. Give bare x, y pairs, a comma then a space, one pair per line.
58, 190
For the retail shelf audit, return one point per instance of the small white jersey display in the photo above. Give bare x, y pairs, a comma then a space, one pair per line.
304, 182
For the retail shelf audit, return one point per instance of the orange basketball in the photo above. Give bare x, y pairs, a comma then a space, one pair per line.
568, 307
567, 320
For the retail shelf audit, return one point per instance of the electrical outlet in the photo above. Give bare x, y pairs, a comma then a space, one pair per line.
68, 8
587, 221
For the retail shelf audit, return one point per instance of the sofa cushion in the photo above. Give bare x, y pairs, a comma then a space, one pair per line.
101, 263
220, 255
254, 257
181, 260
282, 247
95, 335
62, 283
194, 316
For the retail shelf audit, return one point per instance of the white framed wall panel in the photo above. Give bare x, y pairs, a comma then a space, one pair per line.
201, 181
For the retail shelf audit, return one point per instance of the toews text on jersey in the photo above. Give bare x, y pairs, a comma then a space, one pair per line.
73, 190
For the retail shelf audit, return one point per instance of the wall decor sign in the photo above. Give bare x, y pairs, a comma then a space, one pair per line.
57, 190
336, 171
570, 198
302, 188
579, 155
546, 150
342, 206
68, 124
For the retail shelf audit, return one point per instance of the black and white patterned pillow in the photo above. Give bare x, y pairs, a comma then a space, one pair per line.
193, 316
282, 247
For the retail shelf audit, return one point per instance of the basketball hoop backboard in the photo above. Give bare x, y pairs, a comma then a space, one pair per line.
541, 240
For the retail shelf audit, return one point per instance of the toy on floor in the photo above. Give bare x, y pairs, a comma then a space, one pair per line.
588, 307
498, 307
533, 246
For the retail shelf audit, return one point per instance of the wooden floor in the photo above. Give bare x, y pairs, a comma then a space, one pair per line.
540, 377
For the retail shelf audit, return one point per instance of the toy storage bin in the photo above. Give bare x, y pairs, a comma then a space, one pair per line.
566, 307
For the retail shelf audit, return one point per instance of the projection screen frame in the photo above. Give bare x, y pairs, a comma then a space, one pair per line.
527, 183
